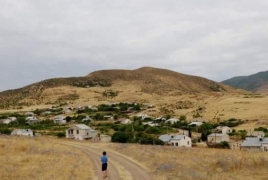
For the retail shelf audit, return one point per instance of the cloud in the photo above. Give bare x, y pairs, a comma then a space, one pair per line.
214, 39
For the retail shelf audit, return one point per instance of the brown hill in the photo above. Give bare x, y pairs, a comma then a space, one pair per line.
144, 80
155, 80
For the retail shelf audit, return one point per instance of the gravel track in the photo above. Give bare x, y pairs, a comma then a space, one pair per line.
119, 167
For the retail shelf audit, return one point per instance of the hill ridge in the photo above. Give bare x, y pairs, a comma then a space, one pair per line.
257, 82
146, 79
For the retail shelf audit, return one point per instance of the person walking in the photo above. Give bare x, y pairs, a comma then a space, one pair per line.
104, 160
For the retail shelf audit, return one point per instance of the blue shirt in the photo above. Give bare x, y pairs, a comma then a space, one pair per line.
104, 159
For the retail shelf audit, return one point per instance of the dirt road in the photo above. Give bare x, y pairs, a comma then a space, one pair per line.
119, 167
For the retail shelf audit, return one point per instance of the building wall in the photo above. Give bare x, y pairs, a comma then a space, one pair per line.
226, 130
25, 134
218, 138
253, 149
187, 142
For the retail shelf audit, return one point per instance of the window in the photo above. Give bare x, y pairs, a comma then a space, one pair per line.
77, 131
177, 144
188, 142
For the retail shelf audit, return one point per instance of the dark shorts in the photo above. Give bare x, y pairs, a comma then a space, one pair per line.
104, 167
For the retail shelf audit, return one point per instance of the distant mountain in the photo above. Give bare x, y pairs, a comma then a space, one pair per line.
257, 83
146, 80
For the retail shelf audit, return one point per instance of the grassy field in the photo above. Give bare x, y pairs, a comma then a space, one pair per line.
171, 163
44, 158
41, 158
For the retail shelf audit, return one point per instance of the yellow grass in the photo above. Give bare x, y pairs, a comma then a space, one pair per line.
171, 163
217, 106
42, 158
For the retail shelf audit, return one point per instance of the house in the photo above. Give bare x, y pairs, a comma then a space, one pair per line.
108, 117
160, 119
218, 137
60, 120
255, 144
94, 108
176, 140
256, 134
150, 123
195, 123
22, 132
143, 116
32, 120
224, 129
87, 119
5, 121
47, 113
67, 111
81, 132
29, 114
12, 118
172, 120
126, 121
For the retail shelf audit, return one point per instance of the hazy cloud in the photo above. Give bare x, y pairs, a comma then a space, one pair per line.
41, 39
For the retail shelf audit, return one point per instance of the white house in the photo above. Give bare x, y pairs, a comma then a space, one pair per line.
67, 111
5, 121
87, 119
172, 120
176, 140
60, 120
224, 129
143, 116
47, 112
32, 120
81, 132
217, 138
29, 114
255, 144
12, 118
196, 123
126, 121
150, 123
108, 117
22, 132
256, 134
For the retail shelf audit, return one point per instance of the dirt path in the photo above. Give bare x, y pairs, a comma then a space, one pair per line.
119, 167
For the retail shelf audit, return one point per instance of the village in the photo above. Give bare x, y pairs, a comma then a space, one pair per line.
129, 123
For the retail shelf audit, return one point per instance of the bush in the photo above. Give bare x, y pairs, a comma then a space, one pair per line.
223, 144
60, 134
153, 130
122, 137
5, 131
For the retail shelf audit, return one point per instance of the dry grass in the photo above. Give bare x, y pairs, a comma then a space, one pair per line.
43, 158
170, 163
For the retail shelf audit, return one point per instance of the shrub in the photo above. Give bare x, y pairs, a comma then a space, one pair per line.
60, 134
122, 137
5, 131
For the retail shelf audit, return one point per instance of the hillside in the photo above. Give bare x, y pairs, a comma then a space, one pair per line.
161, 87
160, 81
257, 83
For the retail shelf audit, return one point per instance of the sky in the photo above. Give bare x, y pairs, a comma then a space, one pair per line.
215, 39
